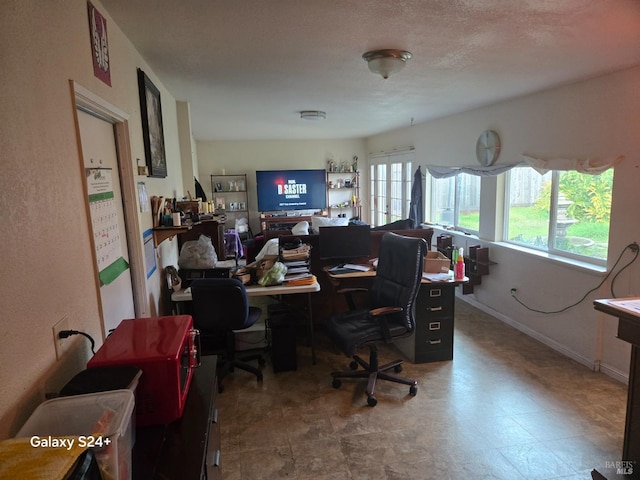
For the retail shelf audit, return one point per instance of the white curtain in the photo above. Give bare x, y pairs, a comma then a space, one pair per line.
591, 166
446, 172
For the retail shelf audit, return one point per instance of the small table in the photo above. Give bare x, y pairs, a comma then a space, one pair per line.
188, 448
628, 312
260, 291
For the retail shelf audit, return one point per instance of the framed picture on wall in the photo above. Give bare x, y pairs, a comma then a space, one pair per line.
151, 112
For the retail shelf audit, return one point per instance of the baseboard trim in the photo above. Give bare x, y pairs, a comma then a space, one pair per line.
593, 365
615, 373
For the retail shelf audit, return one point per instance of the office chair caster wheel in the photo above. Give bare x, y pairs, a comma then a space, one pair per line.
353, 365
397, 368
372, 401
336, 383
413, 390
259, 378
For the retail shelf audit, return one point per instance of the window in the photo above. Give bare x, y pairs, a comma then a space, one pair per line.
562, 212
390, 192
456, 201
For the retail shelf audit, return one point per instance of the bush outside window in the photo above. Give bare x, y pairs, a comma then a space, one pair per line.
562, 212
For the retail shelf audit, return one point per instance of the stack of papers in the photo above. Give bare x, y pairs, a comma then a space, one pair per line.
297, 270
349, 267
303, 279
437, 277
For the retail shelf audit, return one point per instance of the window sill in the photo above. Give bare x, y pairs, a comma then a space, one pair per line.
579, 265
570, 262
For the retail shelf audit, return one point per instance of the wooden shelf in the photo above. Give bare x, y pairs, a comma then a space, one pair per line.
160, 234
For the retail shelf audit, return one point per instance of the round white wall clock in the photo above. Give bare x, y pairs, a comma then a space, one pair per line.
487, 148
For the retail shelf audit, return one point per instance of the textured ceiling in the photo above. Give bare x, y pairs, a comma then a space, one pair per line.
248, 67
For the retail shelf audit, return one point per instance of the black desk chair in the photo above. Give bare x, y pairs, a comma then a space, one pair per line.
220, 306
391, 314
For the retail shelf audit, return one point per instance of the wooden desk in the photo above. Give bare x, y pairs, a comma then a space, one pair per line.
629, 331
432, 340
259, 291
188, 448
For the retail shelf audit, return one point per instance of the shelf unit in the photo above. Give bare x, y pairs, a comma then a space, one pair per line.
476, 261
343, 194
230, 193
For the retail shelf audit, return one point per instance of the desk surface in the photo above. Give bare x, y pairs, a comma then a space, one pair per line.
257, 291
372, 273
628, 307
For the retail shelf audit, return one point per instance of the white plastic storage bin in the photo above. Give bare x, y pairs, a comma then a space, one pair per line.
105, 415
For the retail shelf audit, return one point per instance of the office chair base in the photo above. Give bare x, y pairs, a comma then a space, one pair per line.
229, 366
372, 374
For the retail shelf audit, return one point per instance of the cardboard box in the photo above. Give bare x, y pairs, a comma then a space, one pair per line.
259, 268
436, 262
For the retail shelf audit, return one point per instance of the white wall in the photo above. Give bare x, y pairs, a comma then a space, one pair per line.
247, 157
48, 271
595, 118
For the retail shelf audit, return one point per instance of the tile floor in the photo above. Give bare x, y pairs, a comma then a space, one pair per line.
507, 407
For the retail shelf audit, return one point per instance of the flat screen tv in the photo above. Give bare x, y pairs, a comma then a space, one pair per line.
345, 243
291, 190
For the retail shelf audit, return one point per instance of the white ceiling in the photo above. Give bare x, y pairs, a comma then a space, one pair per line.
248, 67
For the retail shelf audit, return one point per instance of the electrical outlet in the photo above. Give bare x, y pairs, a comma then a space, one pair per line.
62, 344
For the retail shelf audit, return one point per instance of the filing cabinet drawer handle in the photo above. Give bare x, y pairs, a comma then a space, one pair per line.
434, 326
435, 292
435, 309
435, 342
213, 459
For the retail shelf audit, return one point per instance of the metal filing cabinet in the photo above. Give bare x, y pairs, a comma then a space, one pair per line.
433, 339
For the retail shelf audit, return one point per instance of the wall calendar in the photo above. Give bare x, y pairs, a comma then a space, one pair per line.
104, 222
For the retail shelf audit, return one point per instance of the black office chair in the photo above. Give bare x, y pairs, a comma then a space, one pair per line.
391, 313
220, 306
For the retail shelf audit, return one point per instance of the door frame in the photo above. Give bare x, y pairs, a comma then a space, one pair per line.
88, 102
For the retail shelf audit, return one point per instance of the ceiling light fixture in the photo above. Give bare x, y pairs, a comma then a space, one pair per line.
386, 62
313, 115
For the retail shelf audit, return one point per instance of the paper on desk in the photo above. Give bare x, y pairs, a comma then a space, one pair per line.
436, 277
296, 276
360, 268
296, 263
631, 304
293, 270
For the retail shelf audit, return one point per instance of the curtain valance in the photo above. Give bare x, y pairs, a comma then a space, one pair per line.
591, 166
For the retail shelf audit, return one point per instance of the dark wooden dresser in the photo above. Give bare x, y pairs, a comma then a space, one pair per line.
189, 448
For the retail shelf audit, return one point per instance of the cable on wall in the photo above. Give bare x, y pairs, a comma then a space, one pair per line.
68, 333
633, 247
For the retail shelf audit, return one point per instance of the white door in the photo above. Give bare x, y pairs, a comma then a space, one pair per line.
107, 218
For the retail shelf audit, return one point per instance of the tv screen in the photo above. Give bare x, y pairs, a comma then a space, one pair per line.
345, 243
291, 190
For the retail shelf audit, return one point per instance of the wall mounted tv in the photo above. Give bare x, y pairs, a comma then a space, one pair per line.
291, 190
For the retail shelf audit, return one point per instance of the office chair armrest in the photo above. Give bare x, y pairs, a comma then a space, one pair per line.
352, 290
384, 311
379, 314
348, 293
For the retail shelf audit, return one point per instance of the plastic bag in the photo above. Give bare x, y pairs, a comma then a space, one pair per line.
198, 254
275, 276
